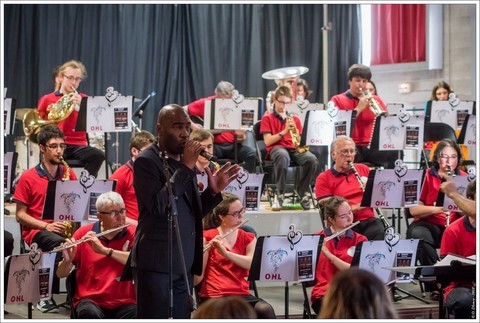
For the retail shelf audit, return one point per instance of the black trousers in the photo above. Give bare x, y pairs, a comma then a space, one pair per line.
92, 157
46, 241
86, 309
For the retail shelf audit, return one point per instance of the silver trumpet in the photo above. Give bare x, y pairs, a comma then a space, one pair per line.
362, 186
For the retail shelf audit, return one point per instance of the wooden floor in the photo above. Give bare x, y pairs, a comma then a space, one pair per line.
407, 308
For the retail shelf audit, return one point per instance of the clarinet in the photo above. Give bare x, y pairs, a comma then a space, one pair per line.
362, 186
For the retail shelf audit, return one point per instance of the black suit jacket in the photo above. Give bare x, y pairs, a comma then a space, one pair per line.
150, 249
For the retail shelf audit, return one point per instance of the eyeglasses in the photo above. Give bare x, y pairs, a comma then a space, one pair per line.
238, 214
114, 212
284, 103
446, 157
73, 78
346, 152
56, 146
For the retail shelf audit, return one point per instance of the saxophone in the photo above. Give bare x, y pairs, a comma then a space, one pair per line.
296, 137
362, 186
70, 227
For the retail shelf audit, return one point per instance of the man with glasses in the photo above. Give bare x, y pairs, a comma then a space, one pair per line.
30, 195
70, 75
276, 128
100, 261
124, 175
340, 180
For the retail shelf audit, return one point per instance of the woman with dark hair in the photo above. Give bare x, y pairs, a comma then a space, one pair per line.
371, 87
231, 307
357, 294
303, 89
337, 253
227, 262
429, 219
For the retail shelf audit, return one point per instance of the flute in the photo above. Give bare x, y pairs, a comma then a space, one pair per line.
336, 234
84, 239
208, 245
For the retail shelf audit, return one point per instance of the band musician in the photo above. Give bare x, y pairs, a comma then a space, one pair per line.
340, 180
70, 75
367, 107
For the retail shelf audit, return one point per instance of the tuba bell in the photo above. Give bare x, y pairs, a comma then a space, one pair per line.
57, 112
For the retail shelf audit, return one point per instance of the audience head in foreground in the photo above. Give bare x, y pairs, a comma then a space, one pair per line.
231, 307
357, 294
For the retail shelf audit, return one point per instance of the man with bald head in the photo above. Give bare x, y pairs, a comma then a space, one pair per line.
149, 257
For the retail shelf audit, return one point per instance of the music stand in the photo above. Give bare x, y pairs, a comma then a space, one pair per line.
286, 258
378, 258
9, 166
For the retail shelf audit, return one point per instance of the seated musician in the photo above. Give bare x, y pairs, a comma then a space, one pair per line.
337, 253
225, 140
100, 261
276, 128
205, 138
340, 180
30, 195
124, 174
460, 239
227, 262
430, 220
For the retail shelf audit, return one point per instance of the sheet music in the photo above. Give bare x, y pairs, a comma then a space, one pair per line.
447, 260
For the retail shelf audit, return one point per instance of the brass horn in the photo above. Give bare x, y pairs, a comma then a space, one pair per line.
57, 112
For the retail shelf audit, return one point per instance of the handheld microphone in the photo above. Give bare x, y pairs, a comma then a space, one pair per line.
208, 156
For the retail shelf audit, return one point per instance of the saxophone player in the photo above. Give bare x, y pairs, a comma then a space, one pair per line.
277, 129
30, 197
367, 107
340, 180
68, 78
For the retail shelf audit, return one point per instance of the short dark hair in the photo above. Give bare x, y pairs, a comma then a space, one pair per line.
304, 83
49, 132
359, 70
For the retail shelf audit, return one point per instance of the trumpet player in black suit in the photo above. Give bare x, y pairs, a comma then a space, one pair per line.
368, 107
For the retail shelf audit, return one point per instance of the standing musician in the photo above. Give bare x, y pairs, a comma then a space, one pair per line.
30, 198
340, 180
277, 129
227, 262
99, 261
356, 98
337, 253
72, 73
429, 219
150, 251
124, 175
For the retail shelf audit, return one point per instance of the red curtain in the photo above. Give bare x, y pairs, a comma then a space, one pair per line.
398, 33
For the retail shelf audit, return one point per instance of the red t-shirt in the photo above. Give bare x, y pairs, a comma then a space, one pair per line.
124, 187
429, 196
332, 183
97, 275
343, 248
72, 137
273, 123
222, 277
31, 191
460, 239
363, 126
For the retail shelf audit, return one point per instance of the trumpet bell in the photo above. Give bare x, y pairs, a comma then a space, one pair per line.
285, 72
